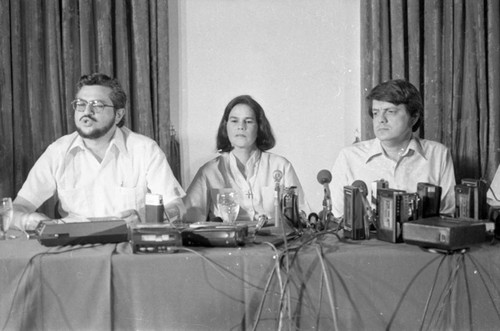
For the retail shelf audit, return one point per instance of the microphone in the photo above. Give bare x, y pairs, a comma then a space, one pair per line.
364, 193
324, 177
362, 186
277, 176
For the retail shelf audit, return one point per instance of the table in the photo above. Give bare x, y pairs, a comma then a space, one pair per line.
374, 285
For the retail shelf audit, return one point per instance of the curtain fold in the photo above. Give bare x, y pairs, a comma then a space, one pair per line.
47, 45
450, 51
493, 59
6, 103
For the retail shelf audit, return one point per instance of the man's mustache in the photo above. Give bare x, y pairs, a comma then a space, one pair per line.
89, 117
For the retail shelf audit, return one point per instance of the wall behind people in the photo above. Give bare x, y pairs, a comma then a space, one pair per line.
299, 59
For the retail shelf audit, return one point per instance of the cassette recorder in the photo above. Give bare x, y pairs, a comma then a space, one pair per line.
99, 231
394, 208
376, 185
447, 234
430, 199
155, 238
215, 235
470, 199
356, 226
290, 208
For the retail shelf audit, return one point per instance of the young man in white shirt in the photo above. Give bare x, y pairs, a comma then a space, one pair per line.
103, 169
396, 154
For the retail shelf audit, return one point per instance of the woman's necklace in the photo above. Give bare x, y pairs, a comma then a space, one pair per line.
249, 194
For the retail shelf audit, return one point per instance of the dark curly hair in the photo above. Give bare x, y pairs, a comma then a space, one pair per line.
117, 95
265, 138
399, 92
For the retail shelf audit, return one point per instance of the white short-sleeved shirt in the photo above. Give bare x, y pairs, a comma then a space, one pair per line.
256, 191
132, 166
423, 161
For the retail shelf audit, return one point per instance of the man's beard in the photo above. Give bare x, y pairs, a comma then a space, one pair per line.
96, 133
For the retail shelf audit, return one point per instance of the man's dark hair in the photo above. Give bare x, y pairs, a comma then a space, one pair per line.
399, 92
117, 95
265, 138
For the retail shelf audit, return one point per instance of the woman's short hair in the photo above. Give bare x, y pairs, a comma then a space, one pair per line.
265, 138
399, 92
117, 95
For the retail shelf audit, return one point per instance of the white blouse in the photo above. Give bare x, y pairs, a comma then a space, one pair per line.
256, 189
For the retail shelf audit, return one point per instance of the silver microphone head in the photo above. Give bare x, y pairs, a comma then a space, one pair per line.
324, 176
277, 175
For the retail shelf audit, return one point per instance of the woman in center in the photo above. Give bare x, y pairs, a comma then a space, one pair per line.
243, 139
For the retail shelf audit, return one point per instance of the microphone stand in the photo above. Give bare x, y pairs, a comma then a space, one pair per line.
277, 213
327, 205
279, 224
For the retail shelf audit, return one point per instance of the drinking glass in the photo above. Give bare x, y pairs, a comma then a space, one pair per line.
6, 213
228, 205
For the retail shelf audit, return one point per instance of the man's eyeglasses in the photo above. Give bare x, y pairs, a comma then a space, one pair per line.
96, 105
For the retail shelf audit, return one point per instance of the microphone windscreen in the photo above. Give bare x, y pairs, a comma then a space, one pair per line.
361, 185
277, 175
324, 176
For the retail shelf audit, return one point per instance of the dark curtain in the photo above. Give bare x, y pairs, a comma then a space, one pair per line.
450, 50
46, 45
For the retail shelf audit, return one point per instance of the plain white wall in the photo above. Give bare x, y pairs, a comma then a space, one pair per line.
300, 59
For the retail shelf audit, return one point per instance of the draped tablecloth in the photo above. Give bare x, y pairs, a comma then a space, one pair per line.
323, 285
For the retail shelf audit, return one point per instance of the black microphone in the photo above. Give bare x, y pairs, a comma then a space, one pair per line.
324, 177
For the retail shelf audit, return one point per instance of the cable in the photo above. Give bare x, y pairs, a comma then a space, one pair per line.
481, 271
450, 283
405, 292
431, 292
329, 291
26, 268
469, 302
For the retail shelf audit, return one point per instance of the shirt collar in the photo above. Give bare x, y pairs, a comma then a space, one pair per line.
251, 165
117, 142
416, 145
375, 149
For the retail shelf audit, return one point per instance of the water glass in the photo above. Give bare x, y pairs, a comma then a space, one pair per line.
228, 205
6, 213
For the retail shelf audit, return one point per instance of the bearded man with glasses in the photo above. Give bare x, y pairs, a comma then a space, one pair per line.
103, 169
